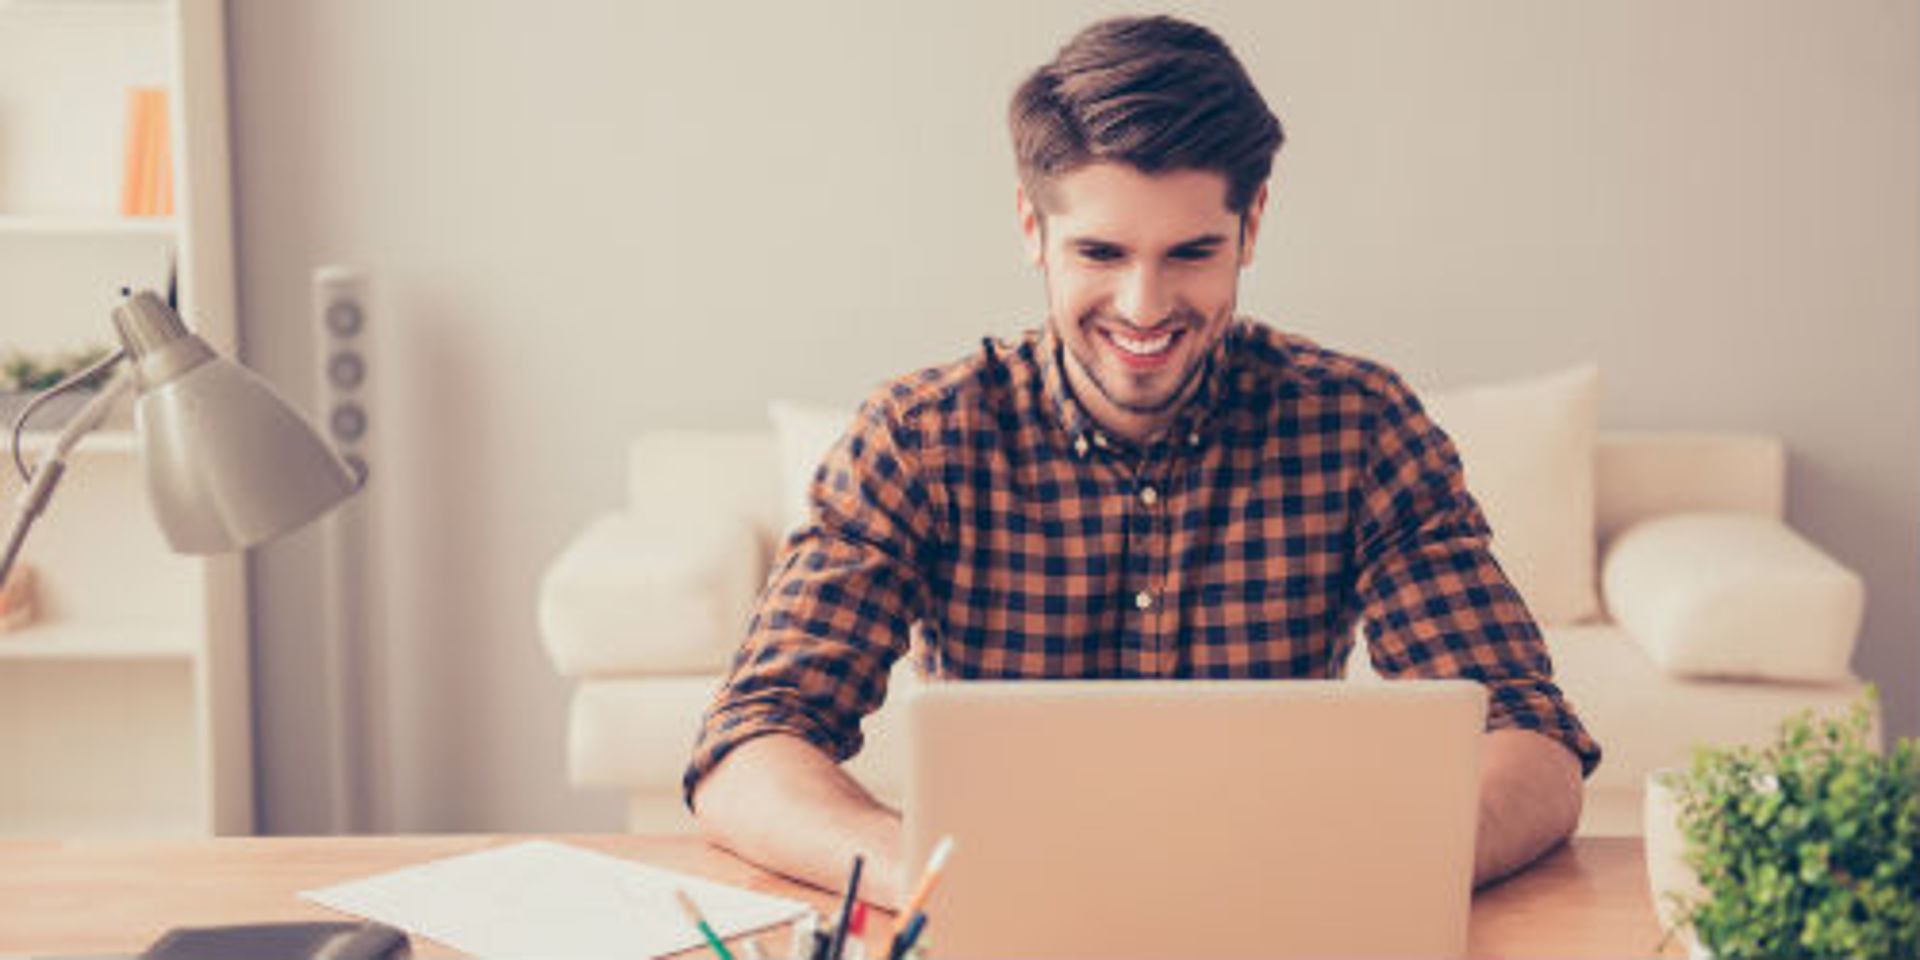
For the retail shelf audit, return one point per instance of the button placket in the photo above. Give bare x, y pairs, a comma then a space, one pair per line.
1150, 531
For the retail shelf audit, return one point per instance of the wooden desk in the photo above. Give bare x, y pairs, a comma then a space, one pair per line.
113, 896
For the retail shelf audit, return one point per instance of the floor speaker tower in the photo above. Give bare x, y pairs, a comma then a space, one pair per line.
344, 324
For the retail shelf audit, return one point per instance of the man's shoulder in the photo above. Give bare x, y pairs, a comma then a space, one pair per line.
1001, 376
1269, 360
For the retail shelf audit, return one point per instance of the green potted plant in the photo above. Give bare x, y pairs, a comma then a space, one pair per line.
24, 374
1807, 847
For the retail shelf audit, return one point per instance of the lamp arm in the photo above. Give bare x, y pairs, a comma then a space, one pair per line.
52, 464
72, 381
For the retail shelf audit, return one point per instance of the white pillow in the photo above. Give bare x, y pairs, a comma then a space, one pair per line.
803, 433
1732, 595
1527, 447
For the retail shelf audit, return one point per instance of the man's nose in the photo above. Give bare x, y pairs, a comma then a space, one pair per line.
1143, 298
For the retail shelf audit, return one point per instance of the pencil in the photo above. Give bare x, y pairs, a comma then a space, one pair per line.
935, 863
903, 944
706, 930
839, 941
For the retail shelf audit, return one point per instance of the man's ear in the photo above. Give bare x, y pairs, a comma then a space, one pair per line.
1031, 229
1250, 225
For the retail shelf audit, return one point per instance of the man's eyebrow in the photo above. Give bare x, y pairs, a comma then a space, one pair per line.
1204, 240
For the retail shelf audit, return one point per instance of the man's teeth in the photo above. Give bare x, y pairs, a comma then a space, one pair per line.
1145, 348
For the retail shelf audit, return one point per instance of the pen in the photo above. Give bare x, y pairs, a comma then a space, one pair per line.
936, 863
903, 943
856, 933
839, 941
693, 914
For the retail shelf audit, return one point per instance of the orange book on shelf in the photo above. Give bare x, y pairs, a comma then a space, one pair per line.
136, 136
146, 188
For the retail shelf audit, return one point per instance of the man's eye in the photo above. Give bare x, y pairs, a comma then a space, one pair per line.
1099, 254
1194, 256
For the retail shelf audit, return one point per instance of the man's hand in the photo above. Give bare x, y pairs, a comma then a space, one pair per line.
781, 803
1530, 798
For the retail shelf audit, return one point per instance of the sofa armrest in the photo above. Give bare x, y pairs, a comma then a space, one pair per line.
635, 596
1728, 595
636, 734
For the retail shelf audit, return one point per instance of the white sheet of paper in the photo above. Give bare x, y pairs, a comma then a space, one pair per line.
543, 899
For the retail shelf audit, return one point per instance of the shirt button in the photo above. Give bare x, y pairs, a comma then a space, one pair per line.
1100, 440
1080, 445
1149, 496
1193, 439
1143, 600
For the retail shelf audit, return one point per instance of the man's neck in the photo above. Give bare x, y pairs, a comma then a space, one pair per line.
1138, 428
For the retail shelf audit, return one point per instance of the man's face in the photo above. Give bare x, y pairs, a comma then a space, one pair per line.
1141, 275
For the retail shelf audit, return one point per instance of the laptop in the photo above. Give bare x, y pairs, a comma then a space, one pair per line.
1197, 818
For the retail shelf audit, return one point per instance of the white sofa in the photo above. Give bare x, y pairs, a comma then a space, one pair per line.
645, 607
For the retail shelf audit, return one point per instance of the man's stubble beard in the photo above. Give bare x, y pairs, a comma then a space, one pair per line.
1189, 378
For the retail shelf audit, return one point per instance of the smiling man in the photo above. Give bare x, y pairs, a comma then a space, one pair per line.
1147, 486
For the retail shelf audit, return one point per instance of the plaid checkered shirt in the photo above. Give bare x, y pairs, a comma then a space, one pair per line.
1298, 492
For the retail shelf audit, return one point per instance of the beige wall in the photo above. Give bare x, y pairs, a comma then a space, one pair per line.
585, 219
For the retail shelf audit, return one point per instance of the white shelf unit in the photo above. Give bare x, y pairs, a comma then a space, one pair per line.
58, 287
56, 641
87, 226
124, 708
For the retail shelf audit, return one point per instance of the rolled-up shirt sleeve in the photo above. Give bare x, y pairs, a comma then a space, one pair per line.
1430, 596
837, 608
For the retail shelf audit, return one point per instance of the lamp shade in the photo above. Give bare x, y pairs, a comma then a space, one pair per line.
229, 463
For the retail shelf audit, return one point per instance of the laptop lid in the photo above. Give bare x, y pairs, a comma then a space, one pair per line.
1197, 818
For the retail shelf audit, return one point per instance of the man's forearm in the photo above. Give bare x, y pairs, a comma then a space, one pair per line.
1530, 798
780, 802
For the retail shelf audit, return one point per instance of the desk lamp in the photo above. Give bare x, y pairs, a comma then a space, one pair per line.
229, 463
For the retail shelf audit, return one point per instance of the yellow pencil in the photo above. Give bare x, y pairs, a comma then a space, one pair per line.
935, 863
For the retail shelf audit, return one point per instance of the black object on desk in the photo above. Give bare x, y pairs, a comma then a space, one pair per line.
282, 941
839, 942
908, 936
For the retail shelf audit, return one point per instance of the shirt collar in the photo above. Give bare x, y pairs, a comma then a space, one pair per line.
1084, 434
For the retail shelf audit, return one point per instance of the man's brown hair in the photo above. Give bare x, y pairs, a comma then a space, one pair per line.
1156, 93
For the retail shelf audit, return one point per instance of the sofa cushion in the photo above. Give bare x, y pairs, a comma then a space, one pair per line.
636, 733
1733, 595
1528, 448
1645, 718
803, 434
633, 596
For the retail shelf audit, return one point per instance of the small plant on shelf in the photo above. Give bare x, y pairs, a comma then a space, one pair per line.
24, 372
1807, 847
